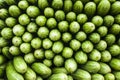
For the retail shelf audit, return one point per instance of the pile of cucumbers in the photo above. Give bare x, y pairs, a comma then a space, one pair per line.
59, 39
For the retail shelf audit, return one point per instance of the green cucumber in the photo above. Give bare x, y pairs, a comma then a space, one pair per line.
19, 64
103, 7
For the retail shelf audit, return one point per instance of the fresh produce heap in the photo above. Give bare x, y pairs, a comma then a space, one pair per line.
60, 39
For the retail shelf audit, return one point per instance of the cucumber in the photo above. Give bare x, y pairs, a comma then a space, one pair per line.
78, 7
105, 68
115, 64
57, 4
11, 73
109, 76
41, 69
97, 76
103, 7
67, 6
115, 8
91, 66
81, 74
59, 70
42, 4
90, 9
58, 76
81, 57
30, 74
19, 64
70, 65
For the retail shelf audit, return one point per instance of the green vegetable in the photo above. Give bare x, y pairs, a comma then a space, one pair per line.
51, 23
110, 39
2, 24
105, 56
30, 74
33, 11
109, 76
58, 76
59, 70
59, 15
97, 76
115, 63
42, 4
102, 30
102, 10
41, 69
82, 18
39, 53
67, 52
74, 27
54, 35
25, 48
94, 37
78, 7
87, 46
49, 12
70, 16
24, 19
97, 21
58, 60
81, 36
88, 27
27, 37
23, 4
117, 19
102, 45
32, 27
36, 43
116, 74
3, 42
105, 68
14, 50
115, 29
66, 37
57, 4
41, 20
67, 7
11, 73
6, 33
10, 21
81, 57
90, 9
95, 55
75, 44
18, 30
91, 66
14, 11
19, 64
114, 50
3, 13
47, 62
43, 32
49, 54
47, 43
29, 58
81, 74
108, 20
63, 26
70, 65
115, 8
6, 53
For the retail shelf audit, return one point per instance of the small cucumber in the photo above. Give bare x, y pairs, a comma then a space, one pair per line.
19, 64
90, 9
30, 74
41, 69
11, 73
103, 7
59, 76
70, 65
